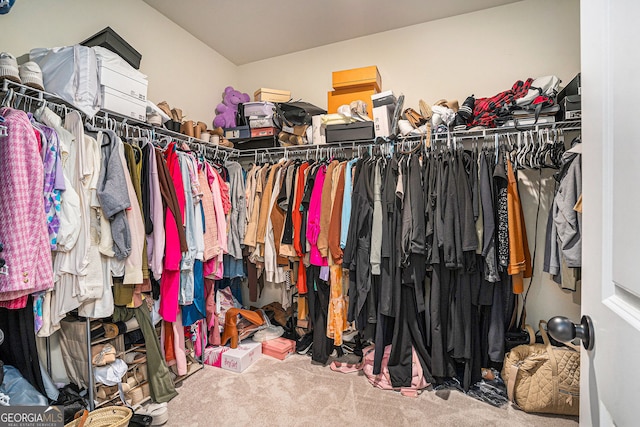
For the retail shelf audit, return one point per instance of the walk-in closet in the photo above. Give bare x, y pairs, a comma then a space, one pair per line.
379, 213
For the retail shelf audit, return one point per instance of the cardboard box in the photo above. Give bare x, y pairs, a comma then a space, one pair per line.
261, 132
355, 77
337, 98
120, 103
237, 132
118, 79
279, 348
300, 130
356, 131
318, 131
382, 118
271, 95
239, 359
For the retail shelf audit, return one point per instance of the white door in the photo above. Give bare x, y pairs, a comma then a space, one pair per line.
610, 53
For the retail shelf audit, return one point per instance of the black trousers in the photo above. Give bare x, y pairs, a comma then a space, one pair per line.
318, 293
442, 282
384, 328
19, 346
406, 335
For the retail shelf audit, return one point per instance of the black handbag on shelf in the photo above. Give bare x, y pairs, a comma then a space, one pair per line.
297, 113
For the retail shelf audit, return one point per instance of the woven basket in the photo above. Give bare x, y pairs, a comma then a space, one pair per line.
113, 416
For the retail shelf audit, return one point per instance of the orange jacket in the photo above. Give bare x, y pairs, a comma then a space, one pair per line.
519, 256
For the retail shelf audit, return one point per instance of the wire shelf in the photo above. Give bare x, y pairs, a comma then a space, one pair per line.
117, 122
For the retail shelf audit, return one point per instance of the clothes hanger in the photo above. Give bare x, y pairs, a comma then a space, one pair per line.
8, 97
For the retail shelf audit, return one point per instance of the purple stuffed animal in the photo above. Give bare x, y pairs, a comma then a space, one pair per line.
226, 112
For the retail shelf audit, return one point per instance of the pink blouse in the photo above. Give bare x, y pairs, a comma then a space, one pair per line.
313, 221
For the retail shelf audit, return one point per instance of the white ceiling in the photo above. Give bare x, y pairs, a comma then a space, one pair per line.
245, 31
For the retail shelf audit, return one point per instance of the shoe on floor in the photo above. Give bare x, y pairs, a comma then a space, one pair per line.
158, 411
303, 345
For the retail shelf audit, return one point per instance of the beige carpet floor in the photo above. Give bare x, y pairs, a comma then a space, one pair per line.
295, 392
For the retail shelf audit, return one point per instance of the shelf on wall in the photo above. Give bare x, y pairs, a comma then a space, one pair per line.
37, 95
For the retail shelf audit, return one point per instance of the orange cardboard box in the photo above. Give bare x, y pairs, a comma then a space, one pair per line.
356, 77
337, 98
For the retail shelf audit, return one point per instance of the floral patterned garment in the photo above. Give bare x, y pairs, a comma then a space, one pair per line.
52, 187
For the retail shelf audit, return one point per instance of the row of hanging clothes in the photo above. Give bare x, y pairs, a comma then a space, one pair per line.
3, 269
100, 219
420, 246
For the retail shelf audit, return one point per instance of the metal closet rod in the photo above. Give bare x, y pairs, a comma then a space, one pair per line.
118, 119
307, 147
574, 125
566, 126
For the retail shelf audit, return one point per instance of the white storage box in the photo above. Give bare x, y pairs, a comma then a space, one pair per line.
127, 83
382, 120
118, 102
260, 122
239, 359
261, 109
318, 130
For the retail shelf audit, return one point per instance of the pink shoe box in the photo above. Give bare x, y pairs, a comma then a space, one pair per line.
279, 348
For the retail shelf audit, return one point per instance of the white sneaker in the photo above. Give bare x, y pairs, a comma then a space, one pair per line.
158, 411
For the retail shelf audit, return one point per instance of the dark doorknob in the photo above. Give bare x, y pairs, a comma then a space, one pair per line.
564, 330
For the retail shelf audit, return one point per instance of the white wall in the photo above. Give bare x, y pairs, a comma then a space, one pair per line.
479, 53
181, 69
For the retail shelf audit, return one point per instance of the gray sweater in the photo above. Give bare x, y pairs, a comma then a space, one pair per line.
567, 221
237, 220
113, 195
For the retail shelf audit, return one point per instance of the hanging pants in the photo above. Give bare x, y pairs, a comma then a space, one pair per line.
19, 347
318, 293
406, 336
160, 383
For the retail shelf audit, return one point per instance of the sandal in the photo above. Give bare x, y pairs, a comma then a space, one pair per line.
165, 108
187, 128
425, 110
198, 129
134, 358
453, 104
176, 115
106, 392
138, 394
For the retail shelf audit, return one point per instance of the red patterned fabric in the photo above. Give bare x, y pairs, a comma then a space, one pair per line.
487, 110
23, 224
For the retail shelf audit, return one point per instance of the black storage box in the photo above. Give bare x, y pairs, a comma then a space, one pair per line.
384, 98
257, 143
571, 105
109, 39
356, 131
238, 132
569, 100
